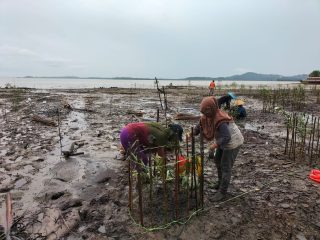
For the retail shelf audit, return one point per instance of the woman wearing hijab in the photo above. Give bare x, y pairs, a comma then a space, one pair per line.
219, 126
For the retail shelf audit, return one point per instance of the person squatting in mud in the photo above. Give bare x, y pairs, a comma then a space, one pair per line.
142, 137
218, 125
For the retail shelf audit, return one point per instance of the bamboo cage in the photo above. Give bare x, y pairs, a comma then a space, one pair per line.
161, 192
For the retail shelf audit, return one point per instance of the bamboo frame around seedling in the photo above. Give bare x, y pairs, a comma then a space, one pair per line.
303, 138
167, 195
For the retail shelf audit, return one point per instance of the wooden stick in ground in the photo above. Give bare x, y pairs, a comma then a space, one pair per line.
188, 175
130, 183
164, 180
151, 185
194, 166
158, 115
304, 136
292, 135
310, 138
295, 138
140, 197
176, 185
290, 145
313, 132
165, 98
151, 178
159, 94
287, 138
201, 168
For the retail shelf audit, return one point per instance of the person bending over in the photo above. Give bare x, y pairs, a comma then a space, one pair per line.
143, 137
219, 126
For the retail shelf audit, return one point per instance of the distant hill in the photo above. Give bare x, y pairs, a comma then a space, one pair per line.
249, 76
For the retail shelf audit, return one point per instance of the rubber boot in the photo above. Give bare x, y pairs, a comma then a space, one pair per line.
219, 196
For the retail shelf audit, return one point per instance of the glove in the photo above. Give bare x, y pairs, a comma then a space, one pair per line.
212, 154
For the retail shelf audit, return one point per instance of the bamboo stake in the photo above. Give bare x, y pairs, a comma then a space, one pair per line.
176, 183
313, 132
287, 138
158, 115
188, 175
159, 92
151, 179
165, 98
194, 166
130, 183
292, 135
295, 138
304, 136
140, 197
202, 168
164, 180
310, 140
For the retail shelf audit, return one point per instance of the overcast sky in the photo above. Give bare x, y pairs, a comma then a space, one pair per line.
163, 38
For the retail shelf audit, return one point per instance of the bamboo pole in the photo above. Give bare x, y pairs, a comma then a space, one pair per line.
202, 168
164, 180
313, 132
158, 115
310, 140
287, 138
159, 94
295, 138
130, 183
194, 167
176, 188
292, 135
151, 179
188, 175
140, 197
305, 135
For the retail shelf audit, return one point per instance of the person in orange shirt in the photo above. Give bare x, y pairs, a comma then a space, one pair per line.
212, 86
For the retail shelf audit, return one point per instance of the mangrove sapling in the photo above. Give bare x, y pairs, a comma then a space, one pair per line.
313, 133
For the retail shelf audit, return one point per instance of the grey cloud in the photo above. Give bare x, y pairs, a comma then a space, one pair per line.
6, 50
166, 38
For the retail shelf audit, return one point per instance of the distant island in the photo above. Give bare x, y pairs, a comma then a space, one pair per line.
249, 76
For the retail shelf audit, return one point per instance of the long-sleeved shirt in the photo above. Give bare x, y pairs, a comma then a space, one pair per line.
227, 135
241, 112
224, 100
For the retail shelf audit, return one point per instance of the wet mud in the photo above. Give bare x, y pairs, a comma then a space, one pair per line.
86, 196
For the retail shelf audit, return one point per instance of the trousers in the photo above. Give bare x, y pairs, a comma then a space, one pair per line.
224, 160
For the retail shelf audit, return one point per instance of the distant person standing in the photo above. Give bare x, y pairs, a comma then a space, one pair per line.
212, 86
226, 100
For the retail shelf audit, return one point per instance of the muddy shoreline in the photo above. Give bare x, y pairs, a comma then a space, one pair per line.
85, 196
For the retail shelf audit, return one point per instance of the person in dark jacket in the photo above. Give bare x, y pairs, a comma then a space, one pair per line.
226, 100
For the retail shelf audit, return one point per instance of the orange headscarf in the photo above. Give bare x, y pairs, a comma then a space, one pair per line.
210, 124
